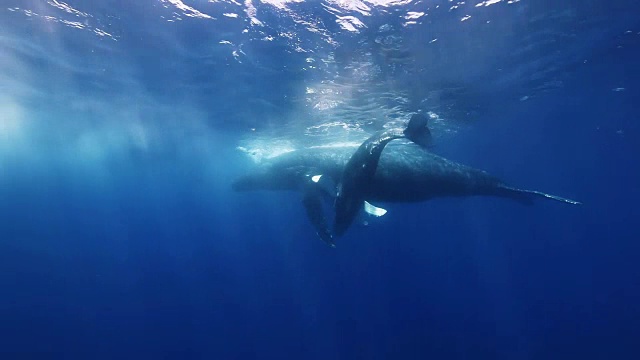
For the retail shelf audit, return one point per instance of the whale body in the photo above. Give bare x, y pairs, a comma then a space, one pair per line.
361, 167
405, 173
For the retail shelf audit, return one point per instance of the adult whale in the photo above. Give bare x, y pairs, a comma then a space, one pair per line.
405, 173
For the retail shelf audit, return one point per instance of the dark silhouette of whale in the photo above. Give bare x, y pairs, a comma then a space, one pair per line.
361, 167
405, 173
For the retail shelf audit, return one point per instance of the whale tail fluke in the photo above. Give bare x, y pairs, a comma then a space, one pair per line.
527, 197
417, 130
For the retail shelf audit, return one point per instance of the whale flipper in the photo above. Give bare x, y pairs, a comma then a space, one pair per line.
374, 210
313, 195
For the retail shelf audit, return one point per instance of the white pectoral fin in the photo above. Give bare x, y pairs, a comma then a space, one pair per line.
316, 178
372, 210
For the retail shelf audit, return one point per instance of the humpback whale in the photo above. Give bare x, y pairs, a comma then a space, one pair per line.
361, 167
405, 173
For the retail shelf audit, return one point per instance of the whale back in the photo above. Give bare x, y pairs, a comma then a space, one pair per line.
409, 173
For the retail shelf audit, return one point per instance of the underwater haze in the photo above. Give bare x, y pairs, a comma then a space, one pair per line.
123, 125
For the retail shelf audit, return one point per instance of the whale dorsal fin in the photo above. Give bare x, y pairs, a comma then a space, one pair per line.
374, 210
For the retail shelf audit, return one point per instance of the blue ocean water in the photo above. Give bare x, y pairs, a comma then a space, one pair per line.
124, 123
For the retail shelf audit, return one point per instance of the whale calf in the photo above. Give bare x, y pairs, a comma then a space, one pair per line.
361, 167
405, 173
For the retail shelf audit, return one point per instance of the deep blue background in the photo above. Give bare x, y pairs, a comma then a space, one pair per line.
157, 262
